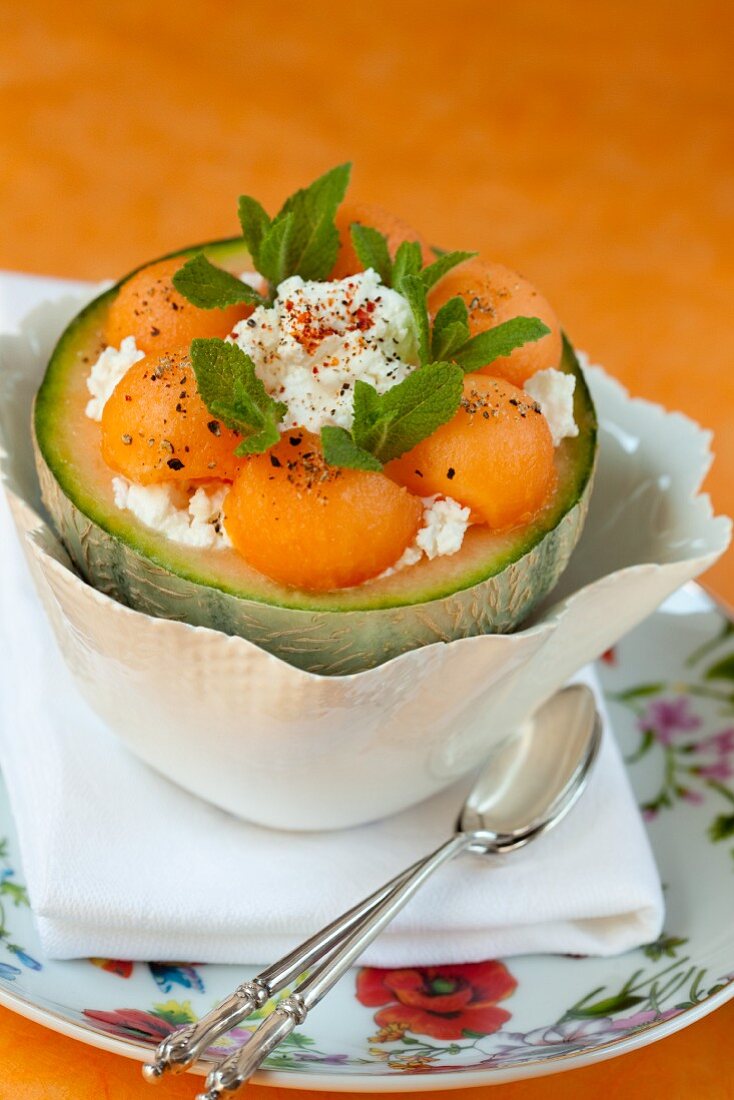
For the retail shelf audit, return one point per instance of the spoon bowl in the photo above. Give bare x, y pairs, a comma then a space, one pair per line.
531, 781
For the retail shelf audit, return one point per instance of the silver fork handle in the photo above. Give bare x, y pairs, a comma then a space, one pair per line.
179, 1050
234, 1071
183, 1047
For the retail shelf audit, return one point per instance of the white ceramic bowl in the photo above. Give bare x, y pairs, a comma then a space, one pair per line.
291, 749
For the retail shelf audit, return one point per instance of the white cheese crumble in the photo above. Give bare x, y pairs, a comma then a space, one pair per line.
192, 518
111, 366
445, 523
553, 390
319, 338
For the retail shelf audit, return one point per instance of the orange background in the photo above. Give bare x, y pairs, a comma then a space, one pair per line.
588, 144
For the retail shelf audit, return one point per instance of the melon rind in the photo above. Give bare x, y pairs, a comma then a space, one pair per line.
330, 640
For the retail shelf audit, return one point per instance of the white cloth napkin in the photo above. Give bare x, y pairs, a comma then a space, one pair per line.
121, 863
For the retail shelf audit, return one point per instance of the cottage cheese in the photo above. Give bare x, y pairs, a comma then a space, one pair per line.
189, 517
445, 523
319, 338
112, 365
553, 390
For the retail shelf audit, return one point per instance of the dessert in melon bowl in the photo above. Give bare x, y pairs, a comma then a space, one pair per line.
306, 486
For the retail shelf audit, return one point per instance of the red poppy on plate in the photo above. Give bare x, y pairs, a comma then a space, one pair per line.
132, 1023
122, 967
445, 1002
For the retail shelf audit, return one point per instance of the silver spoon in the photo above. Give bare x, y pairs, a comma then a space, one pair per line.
527, 786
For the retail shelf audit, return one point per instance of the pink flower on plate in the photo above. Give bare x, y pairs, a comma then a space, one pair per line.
722, 769
640, 1019
694, 797
722, 743
666, 717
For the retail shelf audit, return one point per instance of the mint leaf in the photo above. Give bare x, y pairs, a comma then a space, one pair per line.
275, 247
408, 260
314, 240
323, 195
414, 291
371, 248
255, 224
389, 424
340, 450
257, 441
232, 391
256, 423
217, 366
392, 423
494, 343
371, 422
450, 328
440, 267
448, 340
210, 287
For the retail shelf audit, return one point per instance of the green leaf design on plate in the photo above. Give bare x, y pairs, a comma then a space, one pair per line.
721, 670
721, 828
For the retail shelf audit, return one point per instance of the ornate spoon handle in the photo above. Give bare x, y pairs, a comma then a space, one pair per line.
235, 1070
179, 1050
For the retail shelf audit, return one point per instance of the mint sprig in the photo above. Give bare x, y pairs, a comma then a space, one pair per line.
406, 274
232, 392
450, 336
314, 241
210, 287
372, 250
387, 425
302, 238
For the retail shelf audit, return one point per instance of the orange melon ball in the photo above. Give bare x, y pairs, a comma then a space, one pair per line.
493, 293
494, 456
313, 526
149, 308
155, 426
366, 213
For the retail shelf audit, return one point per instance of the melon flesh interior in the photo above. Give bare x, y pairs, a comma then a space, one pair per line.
70, 445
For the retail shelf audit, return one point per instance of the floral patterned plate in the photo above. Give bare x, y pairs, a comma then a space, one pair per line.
670, 687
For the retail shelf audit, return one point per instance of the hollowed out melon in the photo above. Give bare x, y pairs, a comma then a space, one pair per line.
489, 586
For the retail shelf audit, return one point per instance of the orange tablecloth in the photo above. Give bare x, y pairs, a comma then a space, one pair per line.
587, 144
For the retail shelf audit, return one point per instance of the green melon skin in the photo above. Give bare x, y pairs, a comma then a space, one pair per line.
489, 586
